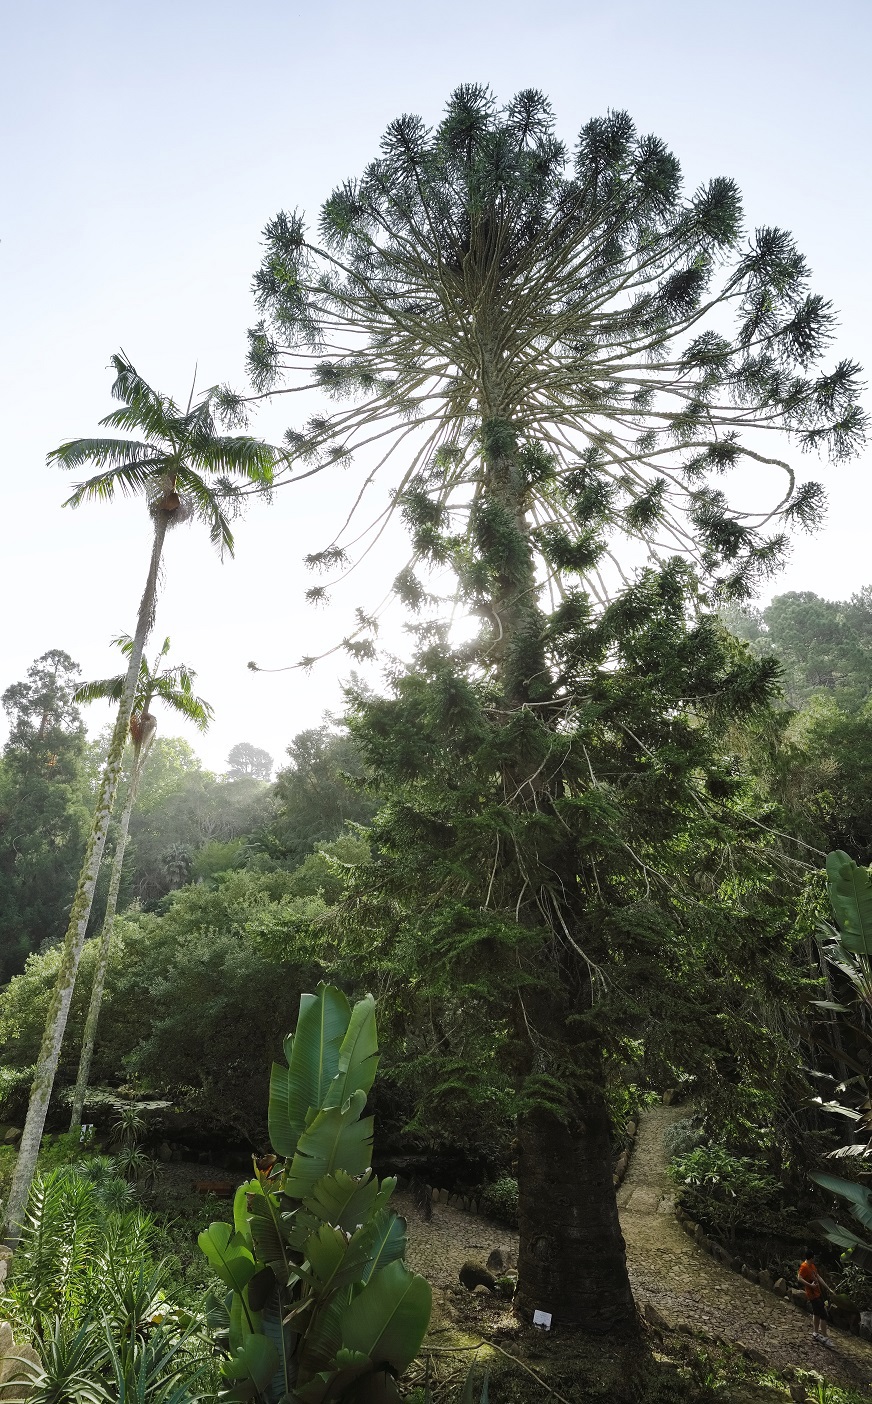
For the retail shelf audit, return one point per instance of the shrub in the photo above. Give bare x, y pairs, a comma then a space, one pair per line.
727, 1189
500, 1200
682, 1137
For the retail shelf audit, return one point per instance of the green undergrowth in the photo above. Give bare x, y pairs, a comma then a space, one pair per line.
525, 1366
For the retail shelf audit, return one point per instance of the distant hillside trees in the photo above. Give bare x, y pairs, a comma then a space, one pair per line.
245, 759
45, 802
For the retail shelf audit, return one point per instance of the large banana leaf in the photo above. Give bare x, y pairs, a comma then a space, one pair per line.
358, 1055
381, 1240
229, 1255
851, 899
282, 1135
842, 1237
251, 1369
342, 1199
244, 1320
336, 1139
321, 1341
321, 1028
269, 1233
325, 1251
858, 1196
388, 1319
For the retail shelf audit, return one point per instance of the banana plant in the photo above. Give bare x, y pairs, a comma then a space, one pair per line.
321, 1306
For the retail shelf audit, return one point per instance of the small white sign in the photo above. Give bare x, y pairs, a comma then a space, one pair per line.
543, 1319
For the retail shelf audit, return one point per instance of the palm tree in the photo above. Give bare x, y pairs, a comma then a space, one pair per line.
183, 467
174, 687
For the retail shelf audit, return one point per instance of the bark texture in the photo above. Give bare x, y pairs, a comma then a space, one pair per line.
56, 1021
572, 1260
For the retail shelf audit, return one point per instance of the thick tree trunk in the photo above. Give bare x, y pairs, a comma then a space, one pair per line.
56, 1022
93, 1016
572, 1262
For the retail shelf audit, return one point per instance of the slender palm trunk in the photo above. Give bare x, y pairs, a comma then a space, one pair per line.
56, 1022
140, 752
572, 1260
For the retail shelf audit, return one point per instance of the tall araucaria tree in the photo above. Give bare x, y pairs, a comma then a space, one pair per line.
173, 686
182, 467
568, 355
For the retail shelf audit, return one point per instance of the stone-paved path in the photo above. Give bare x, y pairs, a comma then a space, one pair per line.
688, 1287
667, 1269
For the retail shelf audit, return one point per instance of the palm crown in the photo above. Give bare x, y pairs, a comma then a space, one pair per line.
174, 686
181, 464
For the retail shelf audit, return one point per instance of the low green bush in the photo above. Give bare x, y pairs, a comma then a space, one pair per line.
500, 1200
724, 1189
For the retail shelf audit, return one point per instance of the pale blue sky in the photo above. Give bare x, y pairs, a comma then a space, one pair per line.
144, 147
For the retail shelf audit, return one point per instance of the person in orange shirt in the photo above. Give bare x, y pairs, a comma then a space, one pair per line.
814, 1285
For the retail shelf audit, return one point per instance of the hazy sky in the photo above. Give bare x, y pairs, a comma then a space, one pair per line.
144, 147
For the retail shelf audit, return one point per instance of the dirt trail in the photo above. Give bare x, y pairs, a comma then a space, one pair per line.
689, 1288
667, 1269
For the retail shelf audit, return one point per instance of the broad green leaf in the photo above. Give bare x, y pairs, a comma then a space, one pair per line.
851, 899
358, 1055
388, 1319
228, 1254
255, 1361
217, 1313
244, 1320
337, 1139
387, 1244
283, 1138
240, 1211
321, 1028
321, 1340
858, 1196
325, 1251
269, 1233
842, 1237
342, 1199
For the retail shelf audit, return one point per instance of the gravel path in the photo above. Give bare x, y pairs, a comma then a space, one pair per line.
667, 1269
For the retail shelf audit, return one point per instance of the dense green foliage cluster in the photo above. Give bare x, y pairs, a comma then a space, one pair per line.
45, 800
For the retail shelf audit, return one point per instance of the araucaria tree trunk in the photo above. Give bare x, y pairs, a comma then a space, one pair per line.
92, 1019
572, 1261
568, 1219
56, 1021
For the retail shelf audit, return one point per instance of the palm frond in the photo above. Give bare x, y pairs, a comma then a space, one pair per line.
182, 700
130, 478
149, 419
206, 505
101, 690
237, 456
129, 387
100, 452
